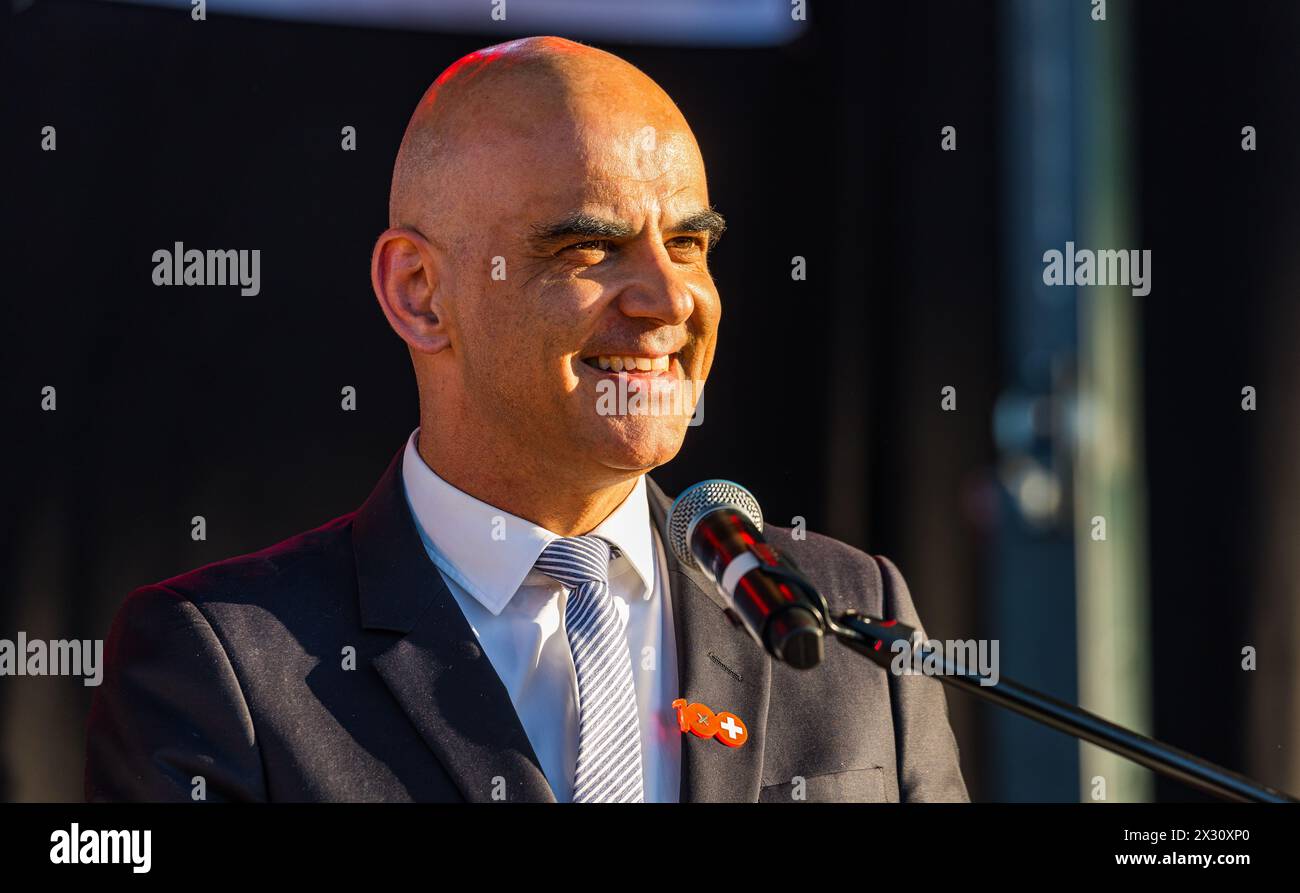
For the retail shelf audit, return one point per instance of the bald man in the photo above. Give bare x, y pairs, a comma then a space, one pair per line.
501, 621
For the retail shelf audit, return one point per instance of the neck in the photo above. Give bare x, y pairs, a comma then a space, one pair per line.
527, 490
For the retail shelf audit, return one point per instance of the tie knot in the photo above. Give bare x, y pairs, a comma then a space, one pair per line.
574, 560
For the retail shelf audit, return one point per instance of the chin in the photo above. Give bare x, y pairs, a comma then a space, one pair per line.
637, 444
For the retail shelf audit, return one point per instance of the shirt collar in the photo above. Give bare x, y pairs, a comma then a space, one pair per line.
629, 528
489, 552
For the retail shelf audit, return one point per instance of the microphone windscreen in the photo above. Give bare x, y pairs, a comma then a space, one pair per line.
698, 500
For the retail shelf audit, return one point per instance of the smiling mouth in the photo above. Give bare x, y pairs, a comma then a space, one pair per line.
631, 364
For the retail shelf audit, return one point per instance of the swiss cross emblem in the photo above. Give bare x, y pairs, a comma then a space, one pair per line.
731, 731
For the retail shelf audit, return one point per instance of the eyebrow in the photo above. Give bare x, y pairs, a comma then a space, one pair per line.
704, 221
590, 226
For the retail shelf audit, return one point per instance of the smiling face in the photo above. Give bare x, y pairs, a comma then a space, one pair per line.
571, 241
605, 245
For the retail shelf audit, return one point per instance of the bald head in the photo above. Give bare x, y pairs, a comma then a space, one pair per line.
549, 235
497, 105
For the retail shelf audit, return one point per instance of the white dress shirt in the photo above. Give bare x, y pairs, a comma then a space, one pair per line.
486, 557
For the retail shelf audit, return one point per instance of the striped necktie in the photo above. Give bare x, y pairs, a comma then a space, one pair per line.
609, 733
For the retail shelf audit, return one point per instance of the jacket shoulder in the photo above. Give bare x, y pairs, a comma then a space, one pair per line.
313, 557
849, 578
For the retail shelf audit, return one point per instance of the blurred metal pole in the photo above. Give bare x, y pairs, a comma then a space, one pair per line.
1112, 594
1033, 610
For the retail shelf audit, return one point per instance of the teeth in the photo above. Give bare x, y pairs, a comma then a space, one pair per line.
634, 364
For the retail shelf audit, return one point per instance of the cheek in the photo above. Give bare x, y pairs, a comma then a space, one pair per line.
520, 355
502, 329
704, 323
554, 322
708, 304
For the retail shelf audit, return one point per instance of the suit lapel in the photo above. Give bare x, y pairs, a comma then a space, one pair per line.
436, 669
721, 666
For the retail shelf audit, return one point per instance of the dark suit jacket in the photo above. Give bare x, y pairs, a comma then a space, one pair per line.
236, 672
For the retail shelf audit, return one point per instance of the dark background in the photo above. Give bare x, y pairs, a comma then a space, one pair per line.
176, 402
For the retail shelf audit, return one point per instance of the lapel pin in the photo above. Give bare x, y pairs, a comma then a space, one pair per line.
702, 722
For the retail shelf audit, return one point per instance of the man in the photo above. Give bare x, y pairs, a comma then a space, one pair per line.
501, 620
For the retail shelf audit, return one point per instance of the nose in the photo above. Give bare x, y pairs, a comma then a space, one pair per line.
657, 289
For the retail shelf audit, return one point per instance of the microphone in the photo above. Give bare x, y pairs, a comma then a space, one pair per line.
716, 526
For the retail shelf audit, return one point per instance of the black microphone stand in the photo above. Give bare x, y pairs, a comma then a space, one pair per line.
883, 640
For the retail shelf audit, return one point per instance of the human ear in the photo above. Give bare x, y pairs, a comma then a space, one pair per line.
405, 272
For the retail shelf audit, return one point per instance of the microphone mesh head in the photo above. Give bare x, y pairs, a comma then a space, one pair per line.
700, 499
